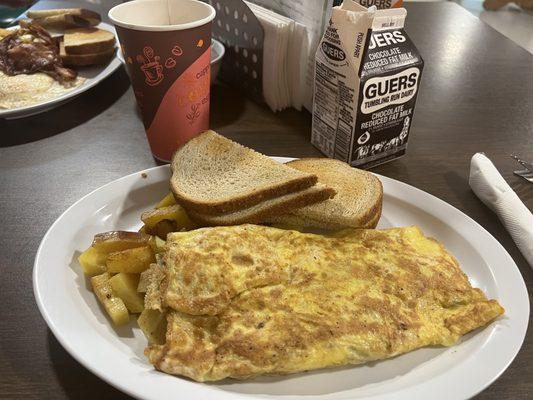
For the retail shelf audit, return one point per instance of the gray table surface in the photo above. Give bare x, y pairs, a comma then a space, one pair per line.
476, 95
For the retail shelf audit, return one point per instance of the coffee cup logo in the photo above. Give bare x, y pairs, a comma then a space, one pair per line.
151, 67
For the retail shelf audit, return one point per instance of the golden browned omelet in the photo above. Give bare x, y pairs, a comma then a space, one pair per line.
249, 300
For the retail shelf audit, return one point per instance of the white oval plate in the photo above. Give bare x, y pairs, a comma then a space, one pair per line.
116, 355
93, 75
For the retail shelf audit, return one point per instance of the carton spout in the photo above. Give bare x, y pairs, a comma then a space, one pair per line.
388, 19
350, 5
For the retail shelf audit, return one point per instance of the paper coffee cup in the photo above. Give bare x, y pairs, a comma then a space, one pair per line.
166, 46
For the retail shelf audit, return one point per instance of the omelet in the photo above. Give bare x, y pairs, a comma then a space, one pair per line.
249, 300
28, 89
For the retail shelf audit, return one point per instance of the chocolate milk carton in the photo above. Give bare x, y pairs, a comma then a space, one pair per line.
367, 78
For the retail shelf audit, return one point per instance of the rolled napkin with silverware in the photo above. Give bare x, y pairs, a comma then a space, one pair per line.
488, 184
527, 172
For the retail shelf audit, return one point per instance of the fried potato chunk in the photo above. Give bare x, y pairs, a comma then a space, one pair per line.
125, 286
113, 241
168, 219
92, 261
154, 325
130, 261
114, 306
168, 200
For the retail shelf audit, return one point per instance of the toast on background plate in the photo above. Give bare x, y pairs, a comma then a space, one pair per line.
60, 22
212, 175
357, 203
65, 18
88, 41
81, 60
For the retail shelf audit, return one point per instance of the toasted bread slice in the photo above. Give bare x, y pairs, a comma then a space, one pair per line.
82, 60
268, 208
61, 22
373, 222
88, 41
357, 204
213, 175
307, 224
90, 17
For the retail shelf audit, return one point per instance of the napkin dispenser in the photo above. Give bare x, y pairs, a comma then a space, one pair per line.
241, 33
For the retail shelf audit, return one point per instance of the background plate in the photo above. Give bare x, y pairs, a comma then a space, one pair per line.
92, 74
116, 355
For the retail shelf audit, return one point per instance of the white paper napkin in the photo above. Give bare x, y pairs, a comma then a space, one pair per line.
491, 188
285, 49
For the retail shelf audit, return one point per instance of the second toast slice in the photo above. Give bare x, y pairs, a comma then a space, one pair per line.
268, 208
81, 60
88, 41
358, 202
